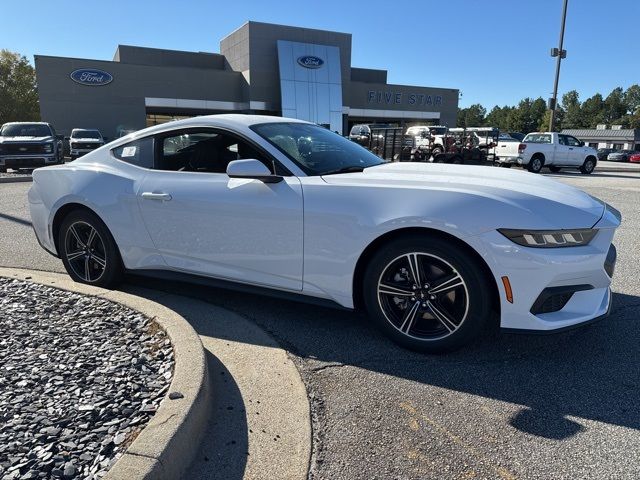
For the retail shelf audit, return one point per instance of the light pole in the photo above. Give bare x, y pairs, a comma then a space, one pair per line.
560, 54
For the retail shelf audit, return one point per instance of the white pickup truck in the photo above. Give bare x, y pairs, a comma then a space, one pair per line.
547, 149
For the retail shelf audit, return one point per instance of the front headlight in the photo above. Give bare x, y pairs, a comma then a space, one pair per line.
48, 147
550, 238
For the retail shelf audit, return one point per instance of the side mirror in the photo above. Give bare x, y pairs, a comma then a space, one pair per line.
581, 143
251, 169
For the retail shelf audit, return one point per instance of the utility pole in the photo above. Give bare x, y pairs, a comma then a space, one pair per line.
560, 54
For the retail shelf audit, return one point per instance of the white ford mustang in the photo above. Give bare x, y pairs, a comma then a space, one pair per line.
431, 251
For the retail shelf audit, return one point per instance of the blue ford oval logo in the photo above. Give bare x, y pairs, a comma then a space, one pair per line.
309, 61
91, 76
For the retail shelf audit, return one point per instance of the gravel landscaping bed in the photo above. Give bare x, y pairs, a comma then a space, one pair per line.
79, 378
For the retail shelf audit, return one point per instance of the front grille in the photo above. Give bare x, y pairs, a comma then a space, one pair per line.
553, 299
86, 146
22, 149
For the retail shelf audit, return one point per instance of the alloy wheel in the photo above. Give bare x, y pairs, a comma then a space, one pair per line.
85, 251
536, 164
423, 296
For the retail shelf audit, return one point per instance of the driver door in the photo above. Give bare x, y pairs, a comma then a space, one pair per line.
203, 222
575, 155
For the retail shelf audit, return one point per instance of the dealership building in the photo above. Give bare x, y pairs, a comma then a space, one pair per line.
261, 68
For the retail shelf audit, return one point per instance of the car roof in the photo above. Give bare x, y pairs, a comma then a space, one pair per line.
224, 120
85, 130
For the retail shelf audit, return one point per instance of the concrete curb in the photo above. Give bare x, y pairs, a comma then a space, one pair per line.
16, 179
613, 168
168, 444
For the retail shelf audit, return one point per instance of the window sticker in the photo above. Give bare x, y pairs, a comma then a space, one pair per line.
129, 151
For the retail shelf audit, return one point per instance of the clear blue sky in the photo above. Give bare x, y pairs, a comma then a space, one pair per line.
494, 51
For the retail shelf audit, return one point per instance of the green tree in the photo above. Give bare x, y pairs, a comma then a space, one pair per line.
572, 112
632, 99
498, 117
472, 116
527, 116
593, 111
615, 107
18, 94
538, 111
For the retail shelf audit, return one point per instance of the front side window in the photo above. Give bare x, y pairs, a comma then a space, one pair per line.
572, 141
139, 152
315, 150
203, 150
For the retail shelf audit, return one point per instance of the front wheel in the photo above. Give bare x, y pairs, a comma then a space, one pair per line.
425, 294
588, 166
88, 251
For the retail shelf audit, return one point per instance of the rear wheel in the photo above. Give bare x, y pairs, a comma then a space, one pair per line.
536, 164
588, 166
426, 294
88, 251
554, 169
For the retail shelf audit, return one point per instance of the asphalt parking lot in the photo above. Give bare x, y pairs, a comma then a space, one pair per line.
510, 406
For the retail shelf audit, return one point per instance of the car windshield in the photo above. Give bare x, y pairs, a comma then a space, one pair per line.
86, 134
25, 130
316, 150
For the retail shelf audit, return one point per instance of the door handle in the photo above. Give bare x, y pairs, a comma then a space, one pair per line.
156, 196
570, 148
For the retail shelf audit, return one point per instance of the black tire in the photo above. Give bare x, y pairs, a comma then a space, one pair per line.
457, 160
437, 150
555, 169
588, 166
536, 164
81, 252
464, 307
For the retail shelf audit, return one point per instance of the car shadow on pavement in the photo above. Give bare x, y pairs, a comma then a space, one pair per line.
223, 450
12, 218
590, 372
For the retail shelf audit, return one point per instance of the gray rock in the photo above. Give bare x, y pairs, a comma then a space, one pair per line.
78, 368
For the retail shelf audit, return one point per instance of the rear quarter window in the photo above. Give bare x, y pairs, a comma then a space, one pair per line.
139, 152
537, 138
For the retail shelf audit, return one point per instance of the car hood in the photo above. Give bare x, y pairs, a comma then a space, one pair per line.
25, 139
85, 140
561, 205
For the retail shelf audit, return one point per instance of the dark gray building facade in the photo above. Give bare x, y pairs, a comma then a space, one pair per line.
261, 68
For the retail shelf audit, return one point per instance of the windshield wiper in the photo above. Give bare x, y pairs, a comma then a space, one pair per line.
350, 169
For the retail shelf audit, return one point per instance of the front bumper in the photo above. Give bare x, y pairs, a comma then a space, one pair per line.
77, 152
27, 161
535, 272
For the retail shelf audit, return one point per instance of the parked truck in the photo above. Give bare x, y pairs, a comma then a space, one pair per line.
29, 145
547, 149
